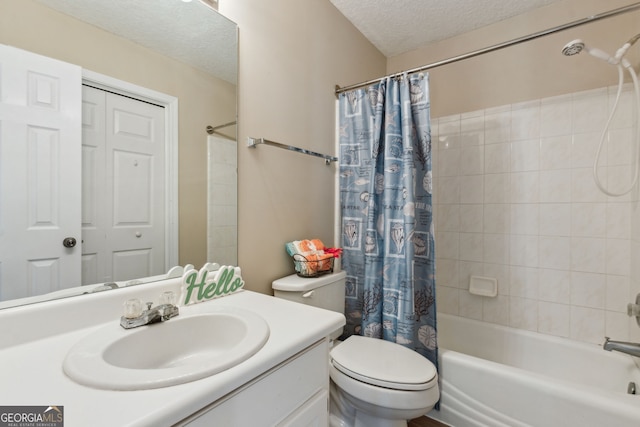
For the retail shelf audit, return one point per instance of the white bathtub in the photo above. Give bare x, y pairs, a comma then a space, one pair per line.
497, 376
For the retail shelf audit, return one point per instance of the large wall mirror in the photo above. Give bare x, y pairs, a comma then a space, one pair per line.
153, 70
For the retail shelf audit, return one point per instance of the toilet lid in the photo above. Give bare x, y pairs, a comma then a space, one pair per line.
383, 364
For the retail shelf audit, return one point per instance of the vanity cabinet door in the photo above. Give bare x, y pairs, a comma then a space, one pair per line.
314, 413
293, 394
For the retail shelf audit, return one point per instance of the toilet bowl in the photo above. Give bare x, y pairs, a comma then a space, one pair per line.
377, 383
374, 383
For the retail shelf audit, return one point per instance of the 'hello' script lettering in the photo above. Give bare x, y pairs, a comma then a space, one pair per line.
196, 288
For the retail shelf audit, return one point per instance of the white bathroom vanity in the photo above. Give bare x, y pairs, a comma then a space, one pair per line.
285, 383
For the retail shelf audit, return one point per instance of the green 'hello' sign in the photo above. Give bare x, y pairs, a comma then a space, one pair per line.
197, 288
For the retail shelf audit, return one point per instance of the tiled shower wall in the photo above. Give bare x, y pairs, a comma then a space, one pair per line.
222, 200
515, 200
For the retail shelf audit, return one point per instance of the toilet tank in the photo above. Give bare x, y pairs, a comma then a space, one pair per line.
325, 291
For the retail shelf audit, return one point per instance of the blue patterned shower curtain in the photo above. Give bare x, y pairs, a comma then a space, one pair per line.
387, 218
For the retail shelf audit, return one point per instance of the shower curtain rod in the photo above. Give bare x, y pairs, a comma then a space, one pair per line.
587, 20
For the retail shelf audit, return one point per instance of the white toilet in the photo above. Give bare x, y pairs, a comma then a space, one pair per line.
374, 383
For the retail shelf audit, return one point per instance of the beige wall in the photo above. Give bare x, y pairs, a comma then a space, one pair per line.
292, 54
203, 99
531, 70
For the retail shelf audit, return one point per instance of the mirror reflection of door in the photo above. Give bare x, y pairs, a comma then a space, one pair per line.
123, 146
49, 120
39, 200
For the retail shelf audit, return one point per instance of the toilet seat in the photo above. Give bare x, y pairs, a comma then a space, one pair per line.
383, 364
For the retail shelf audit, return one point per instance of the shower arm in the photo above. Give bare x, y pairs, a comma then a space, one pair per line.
625, 47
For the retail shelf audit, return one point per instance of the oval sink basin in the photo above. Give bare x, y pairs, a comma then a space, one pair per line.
182, 349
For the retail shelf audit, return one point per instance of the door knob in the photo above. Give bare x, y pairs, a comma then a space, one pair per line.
69, 242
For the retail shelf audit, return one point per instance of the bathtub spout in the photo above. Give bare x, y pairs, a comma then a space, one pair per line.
630, 348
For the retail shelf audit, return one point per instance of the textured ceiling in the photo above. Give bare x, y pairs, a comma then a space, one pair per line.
188, 32
398, 26
393, 26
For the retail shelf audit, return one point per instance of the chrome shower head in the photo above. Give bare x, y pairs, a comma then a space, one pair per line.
574, 47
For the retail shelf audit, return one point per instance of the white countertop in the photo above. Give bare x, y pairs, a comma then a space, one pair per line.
38, 337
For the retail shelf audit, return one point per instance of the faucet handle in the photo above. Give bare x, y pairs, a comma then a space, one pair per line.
168, 297
633, 310
132, 308
149, 305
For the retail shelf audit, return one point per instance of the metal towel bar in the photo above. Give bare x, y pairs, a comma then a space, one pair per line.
252, 142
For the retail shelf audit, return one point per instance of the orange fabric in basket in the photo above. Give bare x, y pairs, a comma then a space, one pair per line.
318, 244
318, 262
309, 256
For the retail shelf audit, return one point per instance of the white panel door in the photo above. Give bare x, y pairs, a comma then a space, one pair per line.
124, 206
94, 187
40, 137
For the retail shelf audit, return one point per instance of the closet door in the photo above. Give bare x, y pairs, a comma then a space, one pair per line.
124, 188
40, 174
94, 204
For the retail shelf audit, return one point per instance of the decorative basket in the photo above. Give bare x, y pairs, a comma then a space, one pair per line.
312, 268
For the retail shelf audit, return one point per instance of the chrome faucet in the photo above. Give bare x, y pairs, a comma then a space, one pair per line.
159, 313
630, 348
